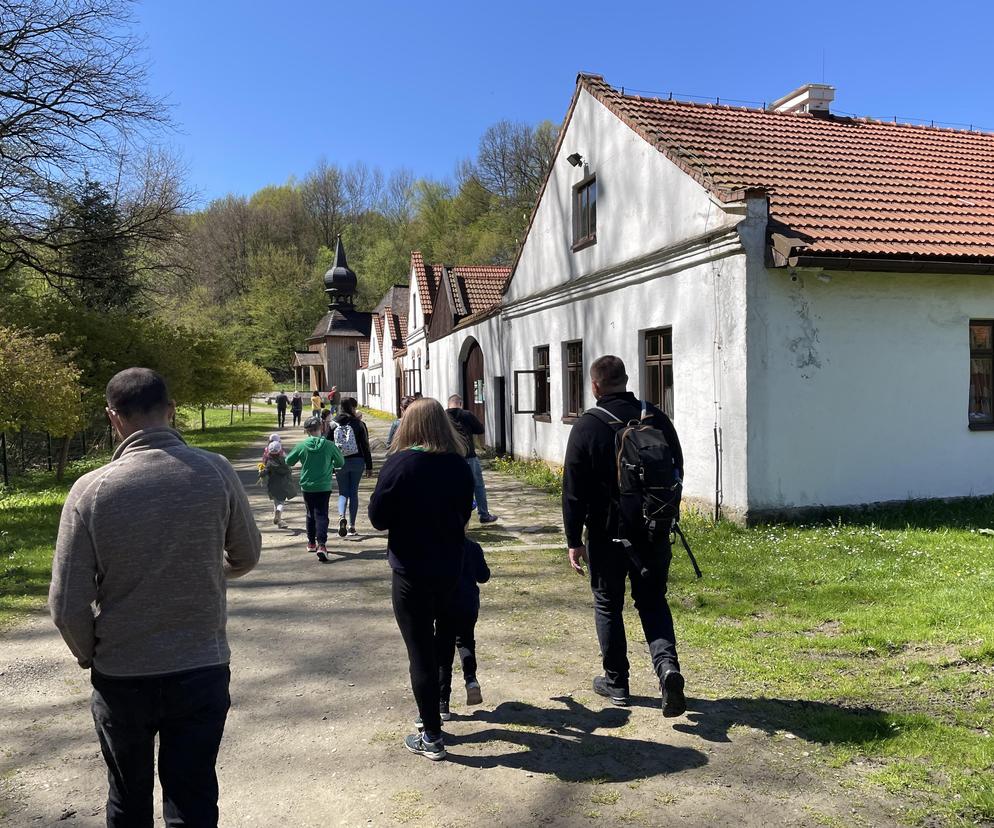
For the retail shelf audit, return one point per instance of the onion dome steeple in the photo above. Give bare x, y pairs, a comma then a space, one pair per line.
339, 282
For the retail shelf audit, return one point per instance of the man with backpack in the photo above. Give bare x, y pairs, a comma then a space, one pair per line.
621, 479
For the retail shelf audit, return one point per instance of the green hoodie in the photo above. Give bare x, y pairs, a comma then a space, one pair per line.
318, 460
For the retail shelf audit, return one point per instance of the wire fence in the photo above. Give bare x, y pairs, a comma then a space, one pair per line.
28, 451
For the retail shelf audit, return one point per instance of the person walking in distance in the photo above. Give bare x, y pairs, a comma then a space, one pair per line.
145, 547
318, 460
467, 425
424, 498
278, 477
404, 404
296, 407
281, 403
352, 439
591, 497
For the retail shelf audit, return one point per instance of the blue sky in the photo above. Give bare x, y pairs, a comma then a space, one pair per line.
261, 90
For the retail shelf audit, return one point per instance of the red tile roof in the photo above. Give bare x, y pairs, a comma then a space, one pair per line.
378, 325
427, 279
363, 353
849, 187
481, 285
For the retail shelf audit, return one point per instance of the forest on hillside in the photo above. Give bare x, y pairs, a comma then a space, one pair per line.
107, 259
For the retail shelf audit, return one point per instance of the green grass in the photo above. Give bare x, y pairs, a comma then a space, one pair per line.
871, 634
31, 506
534, 472
376, 414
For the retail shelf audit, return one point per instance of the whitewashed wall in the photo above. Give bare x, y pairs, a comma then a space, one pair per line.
644, 203
859, 388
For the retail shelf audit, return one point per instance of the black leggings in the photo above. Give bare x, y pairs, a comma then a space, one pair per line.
316, 506
416, 605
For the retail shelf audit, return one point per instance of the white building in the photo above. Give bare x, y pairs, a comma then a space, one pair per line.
808, 295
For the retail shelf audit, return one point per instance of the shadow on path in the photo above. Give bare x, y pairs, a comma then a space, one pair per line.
565, 742
820, 722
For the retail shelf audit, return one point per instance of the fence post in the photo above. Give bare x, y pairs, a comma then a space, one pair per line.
3, 457
48, 441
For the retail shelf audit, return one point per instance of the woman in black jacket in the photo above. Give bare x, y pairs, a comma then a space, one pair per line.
424, 497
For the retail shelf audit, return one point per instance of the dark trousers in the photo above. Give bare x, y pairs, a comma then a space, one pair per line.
609, 567
280, 417
455, 631
417, 605
316, 506
187, 711
296, 417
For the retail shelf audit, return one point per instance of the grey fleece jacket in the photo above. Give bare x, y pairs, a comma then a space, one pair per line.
145, 545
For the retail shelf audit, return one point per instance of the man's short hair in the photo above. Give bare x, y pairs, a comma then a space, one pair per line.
312, 423
137, 392
455, 400
609, 372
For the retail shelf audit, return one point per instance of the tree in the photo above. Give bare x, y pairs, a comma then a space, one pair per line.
72, 95
96, 257
38, 388
324, 200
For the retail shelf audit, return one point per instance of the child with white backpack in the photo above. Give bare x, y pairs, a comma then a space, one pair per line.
352, 440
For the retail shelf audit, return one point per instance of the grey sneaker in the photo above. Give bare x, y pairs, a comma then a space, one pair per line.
617, 695
474, 695
418, 743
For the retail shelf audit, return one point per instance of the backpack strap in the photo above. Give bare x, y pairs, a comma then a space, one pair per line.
604, 416
693, 560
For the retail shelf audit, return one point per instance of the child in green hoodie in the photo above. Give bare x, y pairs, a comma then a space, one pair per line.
318, 460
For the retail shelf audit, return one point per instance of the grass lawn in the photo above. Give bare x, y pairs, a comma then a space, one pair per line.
30, 508
872, 637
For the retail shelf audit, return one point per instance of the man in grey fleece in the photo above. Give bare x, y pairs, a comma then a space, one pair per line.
145, 547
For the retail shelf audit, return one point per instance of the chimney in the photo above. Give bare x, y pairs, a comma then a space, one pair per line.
812, 97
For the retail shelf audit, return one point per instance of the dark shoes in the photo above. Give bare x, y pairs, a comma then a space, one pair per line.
443, 710
419, 743
617, 695
474, 695
674, 702
488, 518
343, 527
322, 553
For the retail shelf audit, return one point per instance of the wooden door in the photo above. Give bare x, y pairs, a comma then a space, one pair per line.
473, 390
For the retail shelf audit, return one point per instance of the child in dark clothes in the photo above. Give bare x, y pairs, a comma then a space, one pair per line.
455, 629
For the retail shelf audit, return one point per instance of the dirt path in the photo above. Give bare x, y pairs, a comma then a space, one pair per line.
321, 700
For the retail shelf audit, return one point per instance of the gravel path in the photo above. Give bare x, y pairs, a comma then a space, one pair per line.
321, 701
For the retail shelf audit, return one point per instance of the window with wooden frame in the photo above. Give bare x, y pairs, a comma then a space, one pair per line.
981, 405
658, 369
585, 213
573, 380
531, 387
412, 381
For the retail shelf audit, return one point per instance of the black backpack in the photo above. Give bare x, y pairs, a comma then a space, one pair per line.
649, 487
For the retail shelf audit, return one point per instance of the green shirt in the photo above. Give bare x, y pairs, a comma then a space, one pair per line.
318, 460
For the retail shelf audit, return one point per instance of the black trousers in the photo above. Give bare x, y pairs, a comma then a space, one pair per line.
610, 566
187, 711
417, 605
296, 417
316, 507
281, 417
455, 631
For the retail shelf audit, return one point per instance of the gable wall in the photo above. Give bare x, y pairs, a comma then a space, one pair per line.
644, 202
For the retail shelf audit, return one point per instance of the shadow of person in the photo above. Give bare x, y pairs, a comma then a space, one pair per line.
567, 742
812, 721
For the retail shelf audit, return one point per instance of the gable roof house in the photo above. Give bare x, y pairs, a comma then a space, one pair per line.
807, 295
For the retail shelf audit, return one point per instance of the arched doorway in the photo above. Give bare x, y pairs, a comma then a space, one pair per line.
473, 390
